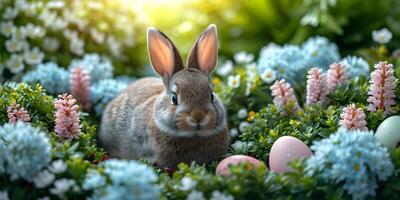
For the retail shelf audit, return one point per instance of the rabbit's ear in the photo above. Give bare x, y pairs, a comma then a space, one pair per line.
204, 53
164, 56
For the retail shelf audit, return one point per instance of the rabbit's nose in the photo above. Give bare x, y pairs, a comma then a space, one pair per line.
197, 115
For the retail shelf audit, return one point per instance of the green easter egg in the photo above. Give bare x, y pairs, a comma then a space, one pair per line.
388, 132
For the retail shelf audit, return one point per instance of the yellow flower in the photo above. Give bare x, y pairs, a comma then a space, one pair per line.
216, 81
250, 116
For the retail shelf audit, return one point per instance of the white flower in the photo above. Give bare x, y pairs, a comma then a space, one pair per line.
268, 76
195, 195
234, 81
225, 68
242, 113
62, 186
58, 166
13, 45
33, 57
114, 46
15, 63
187, 183
43, 179
55, 4
33, 31
7, 28
10, 13
238, 146
58, 24
382, 36
4, 195
47, 17
248, 88
19, 33
243, 57
217, 195
97, 36
243, 125
76, 46
51, 44
233, 132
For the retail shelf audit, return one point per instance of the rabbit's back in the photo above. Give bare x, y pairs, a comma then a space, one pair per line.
123, 129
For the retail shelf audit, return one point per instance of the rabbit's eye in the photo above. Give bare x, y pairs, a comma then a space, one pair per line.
174, 98
212, 97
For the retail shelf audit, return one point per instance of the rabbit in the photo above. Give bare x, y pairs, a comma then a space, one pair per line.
172, 119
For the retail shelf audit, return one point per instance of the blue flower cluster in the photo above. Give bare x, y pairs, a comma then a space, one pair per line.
53, 78
355, 159
98, 67
291, 61
320, 52
24, 150
104, 91
125, 180
356, 66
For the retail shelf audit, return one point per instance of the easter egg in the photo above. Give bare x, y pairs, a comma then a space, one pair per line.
284, 150
223, 166
388, 132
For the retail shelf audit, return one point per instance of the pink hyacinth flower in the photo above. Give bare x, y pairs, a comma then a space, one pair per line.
17, 113
381, 91
336, 75
79, 83
283, 94
353, 118
316, 87
67, 118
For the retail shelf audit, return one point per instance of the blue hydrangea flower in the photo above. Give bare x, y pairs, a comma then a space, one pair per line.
356, 66
98, 67
320, 52
288, 60
104, 91
24, 150
53, 78
127, 180
355, 159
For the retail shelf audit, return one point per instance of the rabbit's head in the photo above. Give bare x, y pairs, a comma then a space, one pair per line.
187, 107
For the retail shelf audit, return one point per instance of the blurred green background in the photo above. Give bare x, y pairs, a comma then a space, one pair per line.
250, 25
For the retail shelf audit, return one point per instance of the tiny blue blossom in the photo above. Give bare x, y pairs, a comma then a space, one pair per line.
356, 66
320, 52
127, 180
104, 91
53, 78
354, 158
24, 150
98, 67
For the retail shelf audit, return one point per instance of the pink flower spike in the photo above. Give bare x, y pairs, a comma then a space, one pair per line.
381, 91
283, 94
17, 113
79, 83
336, 75
353, 118
67, 118
316, 87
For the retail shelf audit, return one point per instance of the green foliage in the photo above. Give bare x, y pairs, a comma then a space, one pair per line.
307, 125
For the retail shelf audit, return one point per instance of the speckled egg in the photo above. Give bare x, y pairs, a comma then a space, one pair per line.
223, 166
388, 132
284, 150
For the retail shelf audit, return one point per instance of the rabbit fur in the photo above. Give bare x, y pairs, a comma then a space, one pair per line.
172, 119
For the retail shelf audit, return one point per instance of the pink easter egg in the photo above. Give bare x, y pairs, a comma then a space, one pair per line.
223, 166
284, 150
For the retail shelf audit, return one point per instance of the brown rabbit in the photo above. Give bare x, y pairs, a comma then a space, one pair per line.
173, 119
